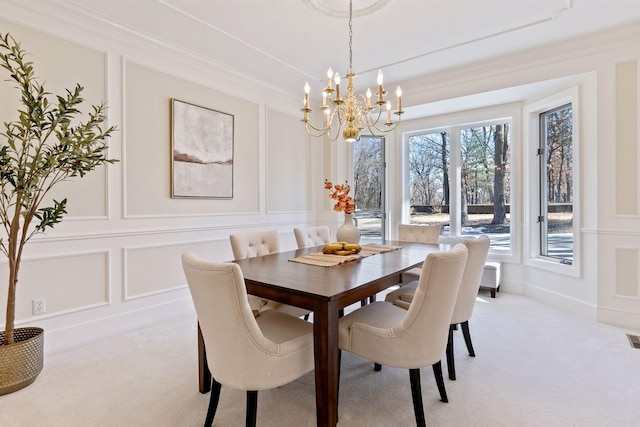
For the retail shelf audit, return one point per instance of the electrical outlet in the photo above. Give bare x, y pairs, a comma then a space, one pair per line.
39, 305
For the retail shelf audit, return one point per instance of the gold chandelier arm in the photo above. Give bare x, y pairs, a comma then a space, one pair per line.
317, 132
368, 117
373, 129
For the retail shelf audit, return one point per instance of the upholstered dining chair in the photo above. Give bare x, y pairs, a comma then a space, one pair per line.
478, 250
389, 335
316, 236
249, 245
421, 234
312, 236
244, 352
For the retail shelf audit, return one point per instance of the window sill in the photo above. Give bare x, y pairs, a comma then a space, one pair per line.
555, 266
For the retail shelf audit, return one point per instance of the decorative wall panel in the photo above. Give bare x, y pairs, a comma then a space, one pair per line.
626, 144
60, 65
70, 282
147, 146
154, 269
288, 155
626, 272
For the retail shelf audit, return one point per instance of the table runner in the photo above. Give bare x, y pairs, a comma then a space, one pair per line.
329, 260
376, 248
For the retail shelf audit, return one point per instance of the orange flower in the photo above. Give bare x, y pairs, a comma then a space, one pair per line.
339, 192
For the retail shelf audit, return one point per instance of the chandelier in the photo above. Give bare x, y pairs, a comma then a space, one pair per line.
355, 112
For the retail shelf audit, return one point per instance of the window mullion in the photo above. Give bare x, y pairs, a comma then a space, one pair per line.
455, 176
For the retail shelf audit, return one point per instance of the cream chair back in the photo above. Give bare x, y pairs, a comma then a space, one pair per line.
312, 236
249, 245
426, 324
478, 250
419, 233
420, 338
239, 355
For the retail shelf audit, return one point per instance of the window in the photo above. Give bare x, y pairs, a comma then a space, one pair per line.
485, 182
555, 157
368, 185
475, 201
429, 178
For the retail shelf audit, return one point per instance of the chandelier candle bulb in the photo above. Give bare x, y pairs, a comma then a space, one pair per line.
324, 99
380, 90
337, 79
307, 89
329, 77
399, 95
368, 98
388, 113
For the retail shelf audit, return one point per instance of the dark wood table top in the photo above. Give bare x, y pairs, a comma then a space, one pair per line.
277, 272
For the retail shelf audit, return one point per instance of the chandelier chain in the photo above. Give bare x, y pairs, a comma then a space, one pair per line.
350, 35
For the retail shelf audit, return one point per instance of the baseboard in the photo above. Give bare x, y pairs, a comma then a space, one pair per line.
70, 336
554, 299
623, 319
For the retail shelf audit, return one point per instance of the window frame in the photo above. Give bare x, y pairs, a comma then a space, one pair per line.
533, 181
543, 186
506, 113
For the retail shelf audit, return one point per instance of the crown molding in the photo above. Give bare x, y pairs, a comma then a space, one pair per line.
508, 65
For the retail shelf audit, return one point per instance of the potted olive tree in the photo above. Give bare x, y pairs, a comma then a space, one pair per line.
48, 142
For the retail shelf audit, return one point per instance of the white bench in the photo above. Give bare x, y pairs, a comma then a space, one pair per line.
492, 276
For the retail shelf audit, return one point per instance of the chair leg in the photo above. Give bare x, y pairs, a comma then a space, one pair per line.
213, 402
437, 372
363, 302
416, 394
467, 338
451, 367
306, 317
377, 367
252, 407
493, 293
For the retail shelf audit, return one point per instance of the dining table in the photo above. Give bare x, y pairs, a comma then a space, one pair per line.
290, 277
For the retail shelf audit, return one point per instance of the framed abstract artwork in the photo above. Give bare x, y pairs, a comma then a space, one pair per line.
201, 152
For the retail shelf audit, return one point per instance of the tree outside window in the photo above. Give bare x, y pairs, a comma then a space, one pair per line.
484, 186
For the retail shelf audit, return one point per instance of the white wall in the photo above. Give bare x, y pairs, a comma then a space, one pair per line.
114, 262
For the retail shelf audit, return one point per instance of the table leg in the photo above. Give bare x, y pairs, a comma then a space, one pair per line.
204, 375
325, 339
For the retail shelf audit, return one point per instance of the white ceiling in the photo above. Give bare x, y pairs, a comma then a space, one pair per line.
286, 42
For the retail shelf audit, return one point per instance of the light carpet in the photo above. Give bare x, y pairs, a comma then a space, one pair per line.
535, 366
